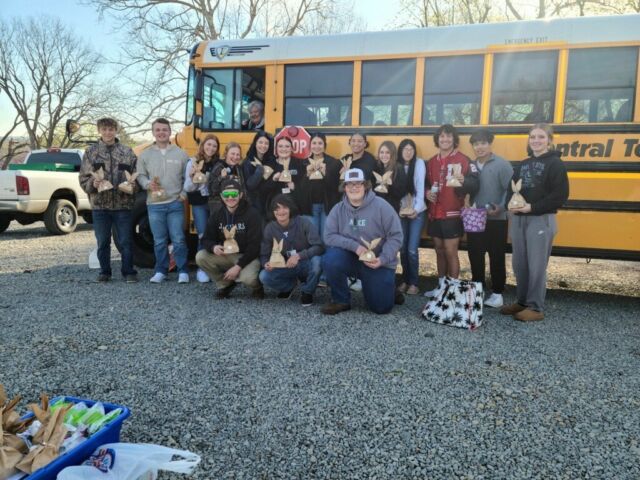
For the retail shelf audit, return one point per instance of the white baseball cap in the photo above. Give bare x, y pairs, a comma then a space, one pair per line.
354, 175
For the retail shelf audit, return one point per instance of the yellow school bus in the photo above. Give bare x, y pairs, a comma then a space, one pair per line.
581, 75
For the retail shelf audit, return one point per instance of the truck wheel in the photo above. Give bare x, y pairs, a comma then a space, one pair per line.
61, 217
142, 238
5, 220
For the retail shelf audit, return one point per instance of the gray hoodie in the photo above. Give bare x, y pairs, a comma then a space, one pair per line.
495, 177
168, 167
375, 218
300, 236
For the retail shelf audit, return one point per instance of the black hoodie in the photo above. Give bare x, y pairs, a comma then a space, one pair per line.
545, 184
248, 230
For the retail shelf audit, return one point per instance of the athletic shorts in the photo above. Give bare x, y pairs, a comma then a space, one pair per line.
446, 228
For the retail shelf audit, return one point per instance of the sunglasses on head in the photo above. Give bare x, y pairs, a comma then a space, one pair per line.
230, 194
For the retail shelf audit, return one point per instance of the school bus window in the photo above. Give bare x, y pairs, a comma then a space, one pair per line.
318, 94
452, 90
387, 92
600, 85
523, 87
191, 81
227, 94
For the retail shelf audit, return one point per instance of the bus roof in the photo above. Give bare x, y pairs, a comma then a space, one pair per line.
476, 37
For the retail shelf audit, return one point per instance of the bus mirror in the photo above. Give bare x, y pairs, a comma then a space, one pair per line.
197, 121
199, 89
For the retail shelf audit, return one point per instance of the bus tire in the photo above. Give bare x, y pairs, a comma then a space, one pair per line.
5, 220
87, 216
61, 217
141, 236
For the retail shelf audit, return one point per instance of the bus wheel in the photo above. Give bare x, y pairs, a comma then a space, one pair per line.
5, 220
142, 238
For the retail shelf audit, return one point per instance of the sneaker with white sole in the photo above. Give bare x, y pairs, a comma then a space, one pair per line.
158, 278
183, 278
435, 291
202, 276
495, 300
356, 285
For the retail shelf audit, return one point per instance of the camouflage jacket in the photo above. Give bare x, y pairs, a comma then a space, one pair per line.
115, 160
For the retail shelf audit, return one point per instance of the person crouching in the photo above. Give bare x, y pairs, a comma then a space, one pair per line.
361, 217
298, 242
231, 243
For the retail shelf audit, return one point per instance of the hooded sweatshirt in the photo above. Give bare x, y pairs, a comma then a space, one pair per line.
375, 218
545, 184
248, 230
300, 236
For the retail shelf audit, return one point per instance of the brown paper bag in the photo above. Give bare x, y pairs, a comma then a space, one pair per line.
406, 206
160, 194
10, 456
230, 245
383, 181
104, 184
369, 255
285, 175
129, 185
47, 448
517, 200
266, 169
316, 169
198, 177
277, 260
346, 165
456, 169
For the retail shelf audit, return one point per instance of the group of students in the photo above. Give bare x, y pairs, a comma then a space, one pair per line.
271, 220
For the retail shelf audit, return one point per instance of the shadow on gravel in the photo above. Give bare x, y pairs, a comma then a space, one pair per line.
38, 229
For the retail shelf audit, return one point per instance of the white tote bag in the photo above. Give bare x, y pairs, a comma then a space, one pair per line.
135, 461
459, 303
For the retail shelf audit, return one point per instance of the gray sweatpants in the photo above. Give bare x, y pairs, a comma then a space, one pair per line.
531, 240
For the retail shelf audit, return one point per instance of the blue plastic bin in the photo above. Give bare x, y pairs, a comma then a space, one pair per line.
110, 433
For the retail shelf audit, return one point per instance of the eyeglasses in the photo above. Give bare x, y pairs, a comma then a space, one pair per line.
230, 194
354, 184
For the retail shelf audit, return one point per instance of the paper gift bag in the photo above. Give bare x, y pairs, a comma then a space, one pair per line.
277, 260
285, 175
406, 206
369, 255
104, 184
517, 200
160, 194
47, 448
128, 186
383, 181
230, 245
346, 165
452, 181
316, 169
266, 169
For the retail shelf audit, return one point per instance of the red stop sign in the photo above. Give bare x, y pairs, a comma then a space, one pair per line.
299, 137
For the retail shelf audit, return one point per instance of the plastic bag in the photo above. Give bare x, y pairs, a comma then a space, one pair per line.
134, 461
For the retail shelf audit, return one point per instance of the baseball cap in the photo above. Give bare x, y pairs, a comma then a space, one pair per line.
230, 184
354, 175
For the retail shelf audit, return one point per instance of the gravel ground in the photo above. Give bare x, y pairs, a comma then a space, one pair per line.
265, 389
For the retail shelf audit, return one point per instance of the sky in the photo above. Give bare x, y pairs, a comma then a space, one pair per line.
101, 34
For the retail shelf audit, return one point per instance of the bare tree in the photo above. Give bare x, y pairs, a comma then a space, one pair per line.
153, 63
13, 147
48, 75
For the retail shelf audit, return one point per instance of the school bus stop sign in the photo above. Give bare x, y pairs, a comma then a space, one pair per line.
300, 138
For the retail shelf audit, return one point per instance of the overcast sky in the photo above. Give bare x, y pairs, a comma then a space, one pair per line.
85, 22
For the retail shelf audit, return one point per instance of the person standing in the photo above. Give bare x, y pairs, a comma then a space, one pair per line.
228, 167
412, 223
259, 158
198, 194
545, 188
301, 249
235, 223
446, 201
112, 207
359, 156
388, 162
287, 173
495, 173
161, 168
361, 215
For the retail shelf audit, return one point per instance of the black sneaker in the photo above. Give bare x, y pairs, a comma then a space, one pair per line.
399, 298
103, 277
258, 293
285, 295
225, 292
131, 278
306, 299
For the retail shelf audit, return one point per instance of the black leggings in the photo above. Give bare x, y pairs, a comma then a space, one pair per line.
493, 241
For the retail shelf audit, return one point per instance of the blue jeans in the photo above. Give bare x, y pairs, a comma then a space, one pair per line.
318, 217
284, 279
409, 254
167, 222
103, 221
200, 218
378, 285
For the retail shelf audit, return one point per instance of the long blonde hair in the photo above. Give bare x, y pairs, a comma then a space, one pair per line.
391, 167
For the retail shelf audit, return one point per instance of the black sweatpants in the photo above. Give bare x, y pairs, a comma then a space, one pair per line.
492, 241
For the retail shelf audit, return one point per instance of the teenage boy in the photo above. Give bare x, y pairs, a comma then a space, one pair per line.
361, 215
495, 175
162, 167
112, 207
243, 266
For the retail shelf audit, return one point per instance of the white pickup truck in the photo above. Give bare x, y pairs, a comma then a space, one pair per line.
45, 187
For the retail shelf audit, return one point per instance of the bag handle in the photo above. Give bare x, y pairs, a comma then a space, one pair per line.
187, 464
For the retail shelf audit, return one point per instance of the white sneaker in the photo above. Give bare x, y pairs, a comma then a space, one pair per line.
435, 291
158, 278
202, 276
183, 278
356, 285
495, 300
